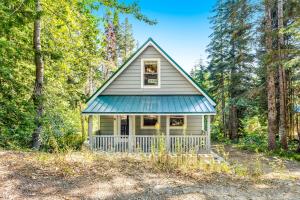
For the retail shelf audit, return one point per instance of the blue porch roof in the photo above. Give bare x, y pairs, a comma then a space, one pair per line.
150, 104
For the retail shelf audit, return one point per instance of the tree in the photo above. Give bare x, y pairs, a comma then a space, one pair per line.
231, 60
270, 76
127, 41
43, 108
39, 77
282, 80
217, 67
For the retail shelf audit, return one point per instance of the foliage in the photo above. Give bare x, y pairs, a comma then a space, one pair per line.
238, 81
72, 50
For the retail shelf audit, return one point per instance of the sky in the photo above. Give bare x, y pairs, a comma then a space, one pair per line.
183, 28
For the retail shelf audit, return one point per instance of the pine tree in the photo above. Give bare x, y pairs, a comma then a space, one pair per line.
268, 4
127, 41
217, 67
231, 60
239, 61
110, 44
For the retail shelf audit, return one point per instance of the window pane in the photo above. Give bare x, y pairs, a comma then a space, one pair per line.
150, 120
177, 121
150, 79
150, 73
150, 66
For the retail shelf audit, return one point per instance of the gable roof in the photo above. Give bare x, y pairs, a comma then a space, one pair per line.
150, 42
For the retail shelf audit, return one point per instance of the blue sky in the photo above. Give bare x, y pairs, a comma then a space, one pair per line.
183, 28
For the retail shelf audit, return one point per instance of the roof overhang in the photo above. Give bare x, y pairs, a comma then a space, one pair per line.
150, 42
150, 105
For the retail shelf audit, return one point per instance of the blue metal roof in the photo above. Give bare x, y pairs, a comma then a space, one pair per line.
150, 104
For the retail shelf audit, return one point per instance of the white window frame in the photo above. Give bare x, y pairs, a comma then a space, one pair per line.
178, 127
149, 127
143, 69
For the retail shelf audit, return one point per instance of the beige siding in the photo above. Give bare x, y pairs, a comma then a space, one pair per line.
194, 126
129, 81
106, 125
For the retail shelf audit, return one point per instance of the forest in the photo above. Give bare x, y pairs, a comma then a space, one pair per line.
54, 54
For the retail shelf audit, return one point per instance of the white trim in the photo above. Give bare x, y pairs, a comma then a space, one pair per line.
118, 73
174, 65
178, 127
149, 127
133, 124
168, 132
202, 122
150, 43
143, 71
158, 114
208, 132
115, 124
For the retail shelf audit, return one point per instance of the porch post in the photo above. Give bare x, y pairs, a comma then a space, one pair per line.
208, 132
131, 132
90, 130
168, 133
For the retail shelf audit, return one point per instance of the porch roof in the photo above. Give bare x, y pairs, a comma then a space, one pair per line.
150, 104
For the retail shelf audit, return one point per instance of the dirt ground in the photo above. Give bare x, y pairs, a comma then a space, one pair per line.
80, 176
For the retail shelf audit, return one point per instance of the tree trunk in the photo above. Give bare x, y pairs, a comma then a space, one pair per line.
223, 106
270, 79
282, 81
233, 122
39, 78
298, 132
82, 123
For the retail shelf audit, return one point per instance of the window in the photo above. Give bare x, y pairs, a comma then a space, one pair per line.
177, 121
149, 121
150, 73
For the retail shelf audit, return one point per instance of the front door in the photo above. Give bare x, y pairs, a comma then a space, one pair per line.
124, 129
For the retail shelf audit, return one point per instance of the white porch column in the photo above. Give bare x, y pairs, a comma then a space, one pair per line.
131, 133
168, 133
90, 130
208, 132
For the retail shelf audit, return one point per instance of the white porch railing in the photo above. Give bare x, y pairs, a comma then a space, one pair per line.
150, 143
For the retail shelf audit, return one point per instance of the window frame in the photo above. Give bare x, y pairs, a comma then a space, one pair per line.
149, 127
178, 127
143, 70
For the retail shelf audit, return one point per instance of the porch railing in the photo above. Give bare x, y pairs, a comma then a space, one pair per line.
150, 143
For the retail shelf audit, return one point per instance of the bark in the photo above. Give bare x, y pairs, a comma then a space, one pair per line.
298, 132
39, 78
223, 107
82, 123
270, 80
282, 81
233, 122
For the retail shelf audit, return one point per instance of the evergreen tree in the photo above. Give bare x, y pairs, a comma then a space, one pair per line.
110, 44
127, 41
231, 60
217, 67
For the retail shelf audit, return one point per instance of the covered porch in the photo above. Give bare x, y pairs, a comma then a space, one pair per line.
180, 124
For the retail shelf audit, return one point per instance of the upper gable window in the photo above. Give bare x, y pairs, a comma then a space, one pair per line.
150, 73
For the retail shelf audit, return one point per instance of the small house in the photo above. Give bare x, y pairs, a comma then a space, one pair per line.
150, 102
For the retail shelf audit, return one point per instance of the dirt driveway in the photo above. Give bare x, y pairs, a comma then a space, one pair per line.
80, 176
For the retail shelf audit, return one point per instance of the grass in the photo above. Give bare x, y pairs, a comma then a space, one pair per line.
258, 143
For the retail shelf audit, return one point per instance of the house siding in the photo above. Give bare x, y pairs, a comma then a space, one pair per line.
106, 125
129, 81
194, 126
